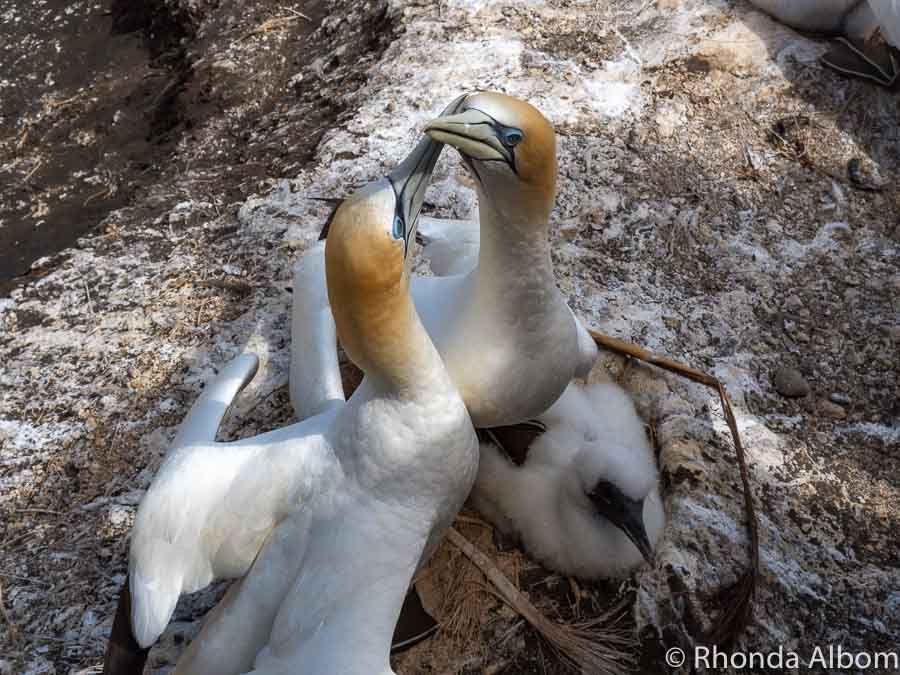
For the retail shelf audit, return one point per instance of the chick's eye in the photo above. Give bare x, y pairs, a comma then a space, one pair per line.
512, 137
399, 228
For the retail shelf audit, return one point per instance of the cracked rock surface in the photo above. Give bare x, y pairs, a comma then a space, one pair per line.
705, 212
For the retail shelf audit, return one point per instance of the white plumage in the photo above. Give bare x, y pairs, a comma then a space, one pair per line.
888, 14
593, 435
812, 15
449, 246
500, 310
331, 516
853, 18
855, 21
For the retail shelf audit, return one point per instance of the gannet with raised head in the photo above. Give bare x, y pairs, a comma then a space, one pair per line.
856, 21
582, 496
505, 334
504, 330
336, 512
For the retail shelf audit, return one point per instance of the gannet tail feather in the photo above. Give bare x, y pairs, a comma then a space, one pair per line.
205, 416
124, 656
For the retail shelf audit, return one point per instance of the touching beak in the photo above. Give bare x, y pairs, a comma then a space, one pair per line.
625, 513
411, 177
473, 133
410, 180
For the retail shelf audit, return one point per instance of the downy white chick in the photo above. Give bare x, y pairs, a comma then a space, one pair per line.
583, 499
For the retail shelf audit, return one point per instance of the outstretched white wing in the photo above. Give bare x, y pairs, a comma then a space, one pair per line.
315, 381
211, 505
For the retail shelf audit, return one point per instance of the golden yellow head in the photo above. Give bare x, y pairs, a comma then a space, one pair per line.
366, 254
508, 144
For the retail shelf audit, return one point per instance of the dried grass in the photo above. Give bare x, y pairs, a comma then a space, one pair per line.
600, 646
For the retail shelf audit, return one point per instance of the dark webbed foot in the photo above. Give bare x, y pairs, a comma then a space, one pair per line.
414, 625
876, 63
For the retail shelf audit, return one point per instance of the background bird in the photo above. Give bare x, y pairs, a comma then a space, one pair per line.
855, 21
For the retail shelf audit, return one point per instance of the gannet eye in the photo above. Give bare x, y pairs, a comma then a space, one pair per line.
399, 228
512, 137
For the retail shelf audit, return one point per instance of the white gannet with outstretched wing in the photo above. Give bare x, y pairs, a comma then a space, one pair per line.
329, 518
856, 21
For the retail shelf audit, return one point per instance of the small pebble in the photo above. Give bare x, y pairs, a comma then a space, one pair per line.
790, 383
832, 410
840, 399
568, 230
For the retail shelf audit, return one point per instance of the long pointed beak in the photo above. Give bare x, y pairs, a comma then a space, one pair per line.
625, 513
472, 133
410, 178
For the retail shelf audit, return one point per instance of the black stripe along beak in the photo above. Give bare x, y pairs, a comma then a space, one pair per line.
410, 181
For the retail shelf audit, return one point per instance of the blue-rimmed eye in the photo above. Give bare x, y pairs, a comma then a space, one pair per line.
512, 137
399, 228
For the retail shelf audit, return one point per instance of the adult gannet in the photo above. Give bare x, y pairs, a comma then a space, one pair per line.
336, 512
505, 333
582, 496
504, 330
856, 21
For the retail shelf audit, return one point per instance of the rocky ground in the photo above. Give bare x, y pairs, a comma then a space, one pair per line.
723, 200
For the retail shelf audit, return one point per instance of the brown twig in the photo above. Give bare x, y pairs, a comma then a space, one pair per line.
739, 609
274, 23
597, 646
34, 170
59, 104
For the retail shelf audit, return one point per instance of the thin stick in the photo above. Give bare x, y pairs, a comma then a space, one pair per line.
300, 14
591, 647
34, 170
739, 608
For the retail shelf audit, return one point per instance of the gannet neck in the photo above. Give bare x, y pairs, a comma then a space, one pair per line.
393, 348
368, 289
512, 240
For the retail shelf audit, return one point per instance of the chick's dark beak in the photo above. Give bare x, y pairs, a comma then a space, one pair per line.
625, 513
